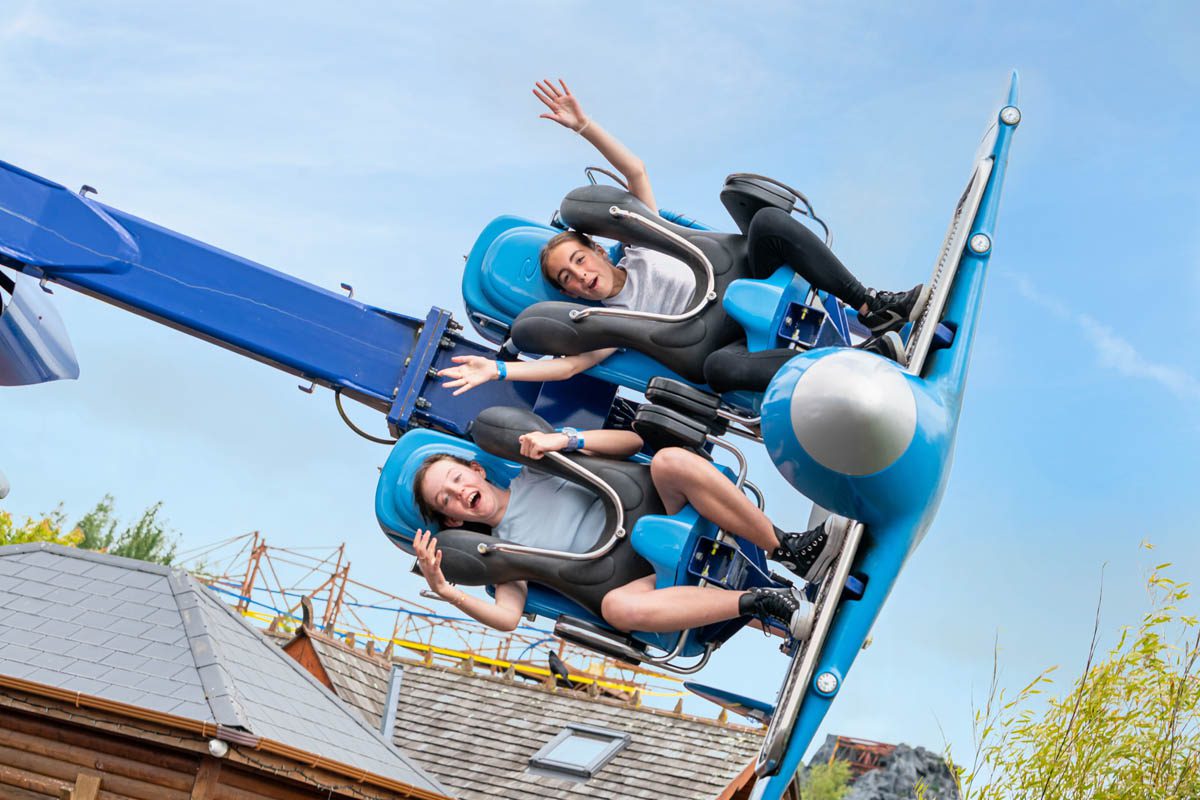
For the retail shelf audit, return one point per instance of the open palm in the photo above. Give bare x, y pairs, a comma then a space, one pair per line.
564, 108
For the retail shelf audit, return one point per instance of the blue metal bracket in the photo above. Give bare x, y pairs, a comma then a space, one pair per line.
417, 368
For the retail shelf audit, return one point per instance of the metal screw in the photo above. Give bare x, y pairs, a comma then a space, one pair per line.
422, 403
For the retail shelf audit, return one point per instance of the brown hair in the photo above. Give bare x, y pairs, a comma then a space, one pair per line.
428, 513
555, 241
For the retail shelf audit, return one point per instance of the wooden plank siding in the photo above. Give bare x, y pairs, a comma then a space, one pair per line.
43, 755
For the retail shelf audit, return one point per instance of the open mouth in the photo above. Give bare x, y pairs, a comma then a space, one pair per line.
592, 284
473, 499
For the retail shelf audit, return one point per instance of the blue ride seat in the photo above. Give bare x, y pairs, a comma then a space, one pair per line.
656, 543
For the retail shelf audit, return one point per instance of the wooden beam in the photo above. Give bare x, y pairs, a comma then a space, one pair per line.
86, 787
209, 775
102, 753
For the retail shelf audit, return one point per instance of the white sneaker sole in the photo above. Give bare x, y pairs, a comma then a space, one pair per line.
803, 618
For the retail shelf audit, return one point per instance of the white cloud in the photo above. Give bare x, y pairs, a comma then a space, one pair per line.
1112, 350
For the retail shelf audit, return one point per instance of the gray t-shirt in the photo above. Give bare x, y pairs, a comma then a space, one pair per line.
551, 513
654, 282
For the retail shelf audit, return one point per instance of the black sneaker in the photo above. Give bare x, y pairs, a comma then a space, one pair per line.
890, 345
889, 311
810, 553
786, 607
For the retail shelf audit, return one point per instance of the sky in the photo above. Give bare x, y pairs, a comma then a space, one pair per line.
370, 143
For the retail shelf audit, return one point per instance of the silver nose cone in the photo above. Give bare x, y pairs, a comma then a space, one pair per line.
853, 412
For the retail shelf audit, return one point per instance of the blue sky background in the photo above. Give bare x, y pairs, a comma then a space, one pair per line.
371, 145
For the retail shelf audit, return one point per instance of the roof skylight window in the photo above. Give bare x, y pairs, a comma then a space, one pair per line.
579, 751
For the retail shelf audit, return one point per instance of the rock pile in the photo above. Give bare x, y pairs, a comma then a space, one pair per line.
899, 775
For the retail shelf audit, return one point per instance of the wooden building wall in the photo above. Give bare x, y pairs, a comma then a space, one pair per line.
42, 758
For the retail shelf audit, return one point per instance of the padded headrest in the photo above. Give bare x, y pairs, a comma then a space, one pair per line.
395, 506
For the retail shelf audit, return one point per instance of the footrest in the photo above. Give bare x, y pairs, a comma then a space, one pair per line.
664, 427
797, 684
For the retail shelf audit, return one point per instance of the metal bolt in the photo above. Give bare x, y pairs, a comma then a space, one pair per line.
827, 683
980, 243
422, 403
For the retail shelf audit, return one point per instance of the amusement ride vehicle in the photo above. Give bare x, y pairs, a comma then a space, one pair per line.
766, 361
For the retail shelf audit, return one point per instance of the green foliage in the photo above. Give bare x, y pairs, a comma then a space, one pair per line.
1128, 729
47, 529
147, 539
98, 526
827, 781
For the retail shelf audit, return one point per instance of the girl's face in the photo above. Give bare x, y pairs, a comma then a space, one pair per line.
460, 493
582, 271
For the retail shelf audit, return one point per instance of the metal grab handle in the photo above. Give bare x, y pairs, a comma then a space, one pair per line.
590, 174
807, 211
743, 467
710, 293
599, 485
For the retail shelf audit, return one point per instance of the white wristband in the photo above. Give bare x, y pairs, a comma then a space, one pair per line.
583, 127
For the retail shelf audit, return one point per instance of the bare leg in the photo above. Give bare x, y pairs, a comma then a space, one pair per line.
638, 606
684, 478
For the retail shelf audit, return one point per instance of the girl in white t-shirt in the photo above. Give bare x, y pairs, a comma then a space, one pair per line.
645, 280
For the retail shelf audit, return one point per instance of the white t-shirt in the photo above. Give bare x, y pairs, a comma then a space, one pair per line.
551, 513
654, 282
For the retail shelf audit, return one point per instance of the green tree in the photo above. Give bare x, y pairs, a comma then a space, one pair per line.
828, 781
1128, 728
47, 529
148, 539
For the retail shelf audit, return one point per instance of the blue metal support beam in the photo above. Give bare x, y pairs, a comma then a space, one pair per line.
383, 359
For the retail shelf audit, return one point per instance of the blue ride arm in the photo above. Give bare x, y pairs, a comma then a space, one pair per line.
380, 358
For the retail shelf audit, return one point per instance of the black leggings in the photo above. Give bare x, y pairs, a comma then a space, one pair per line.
776, 238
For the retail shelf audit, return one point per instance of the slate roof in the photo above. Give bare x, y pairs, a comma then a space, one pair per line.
477, 732
154, 637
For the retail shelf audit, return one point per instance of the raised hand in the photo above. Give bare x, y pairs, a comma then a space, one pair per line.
429, 559
564, 108
471, 372
536, 444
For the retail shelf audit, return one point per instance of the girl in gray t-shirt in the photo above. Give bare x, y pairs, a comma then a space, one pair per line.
645, 280
548, 512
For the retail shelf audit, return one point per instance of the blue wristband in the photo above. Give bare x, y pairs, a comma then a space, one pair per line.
502, 370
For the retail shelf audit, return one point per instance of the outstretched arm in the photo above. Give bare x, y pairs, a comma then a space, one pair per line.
503, 615
566, 111
473, 371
